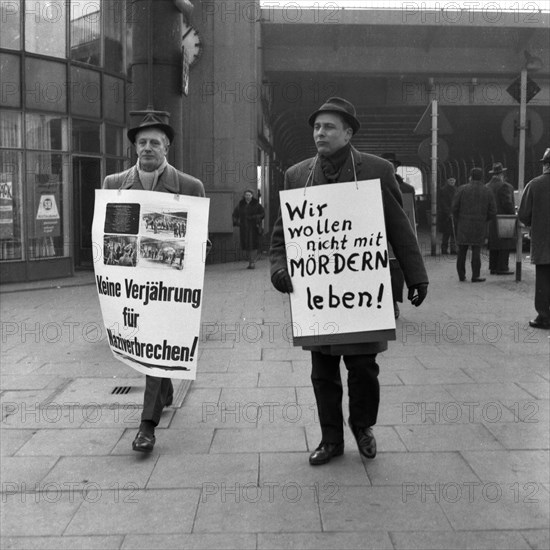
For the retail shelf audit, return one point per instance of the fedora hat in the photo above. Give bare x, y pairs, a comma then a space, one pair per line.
497, 168
392, 159
152, 120
340, 106
546, 156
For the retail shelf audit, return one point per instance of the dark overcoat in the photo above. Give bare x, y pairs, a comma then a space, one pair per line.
170, 181
504, 199
534, 211
473, 206
444, 204
399, 232
249, 216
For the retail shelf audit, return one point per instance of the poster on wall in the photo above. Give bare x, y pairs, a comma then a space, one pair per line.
149, 259
6, 210
338, 261
47, 219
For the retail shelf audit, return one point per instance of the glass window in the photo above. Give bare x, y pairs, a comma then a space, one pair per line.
10, 85
46, 132
114, 141
10, 24
85, 92
113, 98
86, 32
86, 136
10, 206
46, 85
114, 35
10, 129
114, 166
45, 27
47, 205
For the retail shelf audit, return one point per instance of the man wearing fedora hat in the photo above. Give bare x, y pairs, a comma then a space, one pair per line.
499, 248
152, 139
534, 211
334, 124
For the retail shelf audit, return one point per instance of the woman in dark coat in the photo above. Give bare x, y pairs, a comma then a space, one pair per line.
248, 216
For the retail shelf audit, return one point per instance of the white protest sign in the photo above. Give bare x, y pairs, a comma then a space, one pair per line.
338, 261
149, 273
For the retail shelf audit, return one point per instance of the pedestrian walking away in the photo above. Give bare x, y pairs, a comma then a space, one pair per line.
152, 139
499, 247
473, 206
248, 216
534, 211
334, 125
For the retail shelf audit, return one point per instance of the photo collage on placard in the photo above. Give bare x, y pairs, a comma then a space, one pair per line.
153, 239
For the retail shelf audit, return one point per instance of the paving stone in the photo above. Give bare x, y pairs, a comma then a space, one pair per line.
380, 508
539, 390
290, 414
482, 540
71, 442
413, 469
449, 437
486, 392
12, 440
24, 401
436, 361
105, 472
510, 466
47, 417
258, 509
63, 543
538, 539
365, 540
193, 541
257, 396
141, 511
39, 513
87, 369
258, 440
98, 391
281, 378
238, 365
25, 472
323, 482
495, 506
168, 441
226, 380
24, 382
434, 376
200, 470
521, 435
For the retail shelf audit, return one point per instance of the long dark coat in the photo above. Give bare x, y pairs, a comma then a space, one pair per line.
444, 204
504, 198
473, 206
400, 234
249, 219
534, 211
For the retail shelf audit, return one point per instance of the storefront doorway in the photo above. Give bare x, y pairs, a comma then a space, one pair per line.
86, 179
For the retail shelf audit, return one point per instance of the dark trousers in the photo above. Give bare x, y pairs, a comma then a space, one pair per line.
363, 392
461, 261
542, 290
397, 280
158, 391
447, 237
499, 261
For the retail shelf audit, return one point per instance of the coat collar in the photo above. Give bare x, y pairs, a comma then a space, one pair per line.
167, 182
347, 170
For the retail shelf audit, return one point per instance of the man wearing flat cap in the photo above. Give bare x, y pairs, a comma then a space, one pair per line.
534, 211
334, 124
499, 248
152, 139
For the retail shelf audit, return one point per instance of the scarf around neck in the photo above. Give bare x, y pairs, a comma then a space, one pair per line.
332, 165
149, 179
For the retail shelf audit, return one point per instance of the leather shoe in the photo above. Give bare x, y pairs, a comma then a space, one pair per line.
325, 452
478, 280
540, 323
143, 442
365, 441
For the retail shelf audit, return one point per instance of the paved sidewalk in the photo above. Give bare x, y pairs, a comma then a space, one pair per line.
463, 431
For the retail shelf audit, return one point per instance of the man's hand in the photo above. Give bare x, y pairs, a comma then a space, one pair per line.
281, 281
417, 293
